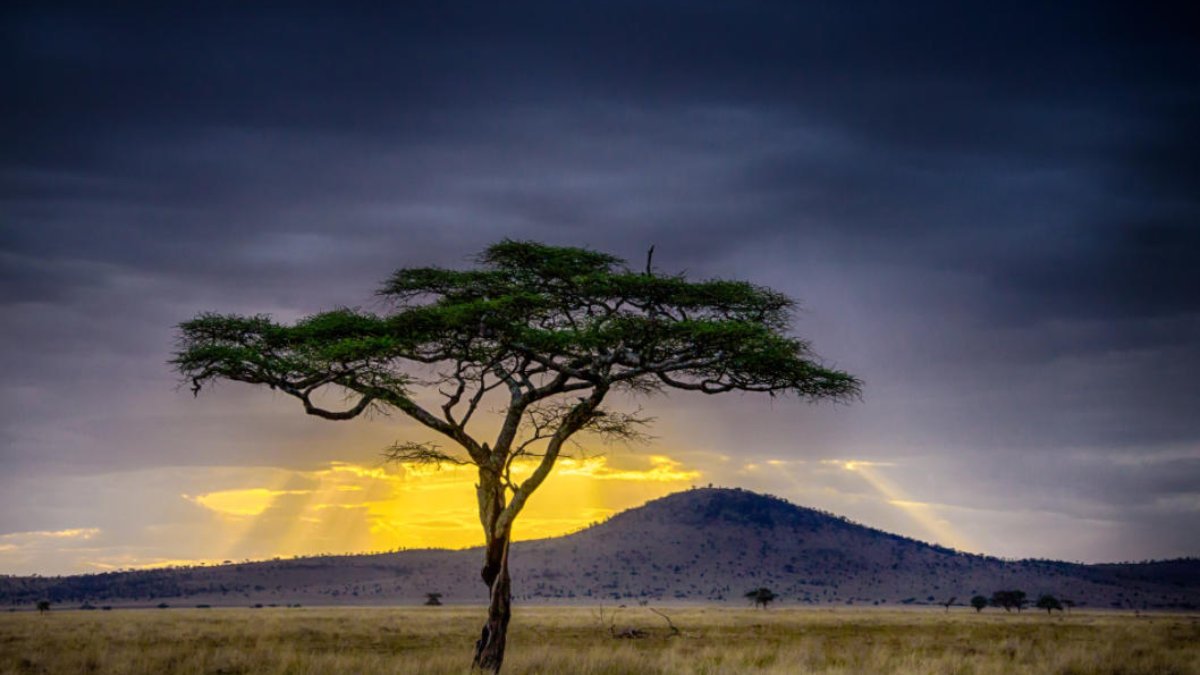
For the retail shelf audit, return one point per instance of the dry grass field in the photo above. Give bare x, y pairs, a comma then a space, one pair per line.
573, 640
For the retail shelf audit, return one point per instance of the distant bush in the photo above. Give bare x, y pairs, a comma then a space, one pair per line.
761, 597
1049, 603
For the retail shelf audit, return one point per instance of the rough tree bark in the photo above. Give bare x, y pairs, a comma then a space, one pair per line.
489, 649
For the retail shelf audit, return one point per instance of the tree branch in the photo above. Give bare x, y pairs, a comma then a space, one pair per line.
411, 452
574, 420
351, 413
409, 407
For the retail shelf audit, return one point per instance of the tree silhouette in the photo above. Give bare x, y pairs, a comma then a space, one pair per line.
761, 597
979, 602
949, 601
547, 333
433, 599
43, 606
1009, 600
1048, 602
1019, 600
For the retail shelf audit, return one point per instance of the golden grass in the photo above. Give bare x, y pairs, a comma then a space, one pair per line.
571, 640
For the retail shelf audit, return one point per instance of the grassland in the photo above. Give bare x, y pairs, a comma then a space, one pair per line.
574, 640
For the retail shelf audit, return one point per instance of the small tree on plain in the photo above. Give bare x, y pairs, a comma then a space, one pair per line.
1008, 600
979, 602
43, 606
761, 597
949, 602
1020, 601
545, 332
1000, 599
1049, 603
433, 599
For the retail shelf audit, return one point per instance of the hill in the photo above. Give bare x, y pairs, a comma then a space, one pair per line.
701, 545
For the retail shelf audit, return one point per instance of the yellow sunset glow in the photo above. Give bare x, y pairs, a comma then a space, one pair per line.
74, 533
662, 469
134, 563
353, 508
249, 502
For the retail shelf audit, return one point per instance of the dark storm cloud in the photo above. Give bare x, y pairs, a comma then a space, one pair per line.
989, 213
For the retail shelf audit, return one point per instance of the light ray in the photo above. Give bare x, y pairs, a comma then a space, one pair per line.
921, 513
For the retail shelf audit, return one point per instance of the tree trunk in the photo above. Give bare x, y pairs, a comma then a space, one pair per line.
489, 649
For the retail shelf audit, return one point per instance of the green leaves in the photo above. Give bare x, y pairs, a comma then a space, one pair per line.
326, 348
546, 263
528, 309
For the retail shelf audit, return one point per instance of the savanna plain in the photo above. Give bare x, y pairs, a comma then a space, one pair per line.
580, 640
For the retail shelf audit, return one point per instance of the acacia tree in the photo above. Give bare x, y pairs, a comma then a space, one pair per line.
1048, 602
761, 597
1010, 599
550, 332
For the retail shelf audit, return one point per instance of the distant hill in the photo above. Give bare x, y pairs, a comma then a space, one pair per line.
702, 545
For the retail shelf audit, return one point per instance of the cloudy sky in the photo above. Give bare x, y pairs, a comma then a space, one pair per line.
991, 215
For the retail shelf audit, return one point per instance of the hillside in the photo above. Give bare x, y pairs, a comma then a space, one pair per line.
701, 545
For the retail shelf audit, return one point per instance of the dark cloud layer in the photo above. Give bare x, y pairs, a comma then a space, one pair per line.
991, 214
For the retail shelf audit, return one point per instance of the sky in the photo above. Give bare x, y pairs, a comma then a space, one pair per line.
989, 212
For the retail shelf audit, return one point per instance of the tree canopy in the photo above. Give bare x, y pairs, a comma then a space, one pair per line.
761, 597
534, 320
1010, 599
1048, 602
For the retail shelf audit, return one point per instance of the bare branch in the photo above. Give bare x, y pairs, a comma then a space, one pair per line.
452, 398
575, 420
411, 452
619, 427
416, 412
542, 419
670, 624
